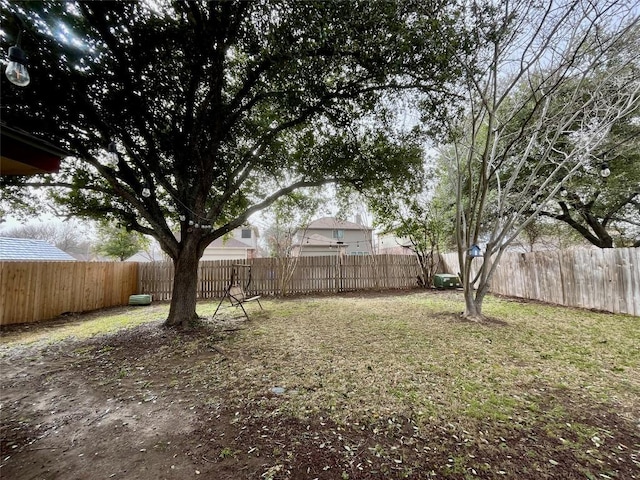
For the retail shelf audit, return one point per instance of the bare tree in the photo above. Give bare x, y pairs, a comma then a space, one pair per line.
69, 236
423, 221
292, 214
542, 95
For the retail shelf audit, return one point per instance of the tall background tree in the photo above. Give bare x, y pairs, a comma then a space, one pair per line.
543, 97
117, 242
187, 117
605, 210
421, 215
600, 202
543, 233
290, 214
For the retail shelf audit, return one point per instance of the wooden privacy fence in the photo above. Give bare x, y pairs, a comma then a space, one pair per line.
34, 291
602, 279
311, 275
607, 279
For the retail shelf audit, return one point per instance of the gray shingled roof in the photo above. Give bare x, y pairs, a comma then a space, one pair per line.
334, 223
28, 249
221, 242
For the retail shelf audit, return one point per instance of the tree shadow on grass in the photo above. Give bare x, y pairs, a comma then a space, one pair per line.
458, 318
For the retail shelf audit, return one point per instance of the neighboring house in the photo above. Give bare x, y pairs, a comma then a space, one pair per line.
389, 244
241, 244
152, 254
27, 249
329, 236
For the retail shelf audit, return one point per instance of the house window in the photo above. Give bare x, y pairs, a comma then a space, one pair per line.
338, 234
246, 233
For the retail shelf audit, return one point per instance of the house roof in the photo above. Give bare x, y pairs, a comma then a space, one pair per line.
220, 242
29, 249
334, 223
24, 154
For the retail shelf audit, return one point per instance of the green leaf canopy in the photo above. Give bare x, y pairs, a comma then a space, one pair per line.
216, 109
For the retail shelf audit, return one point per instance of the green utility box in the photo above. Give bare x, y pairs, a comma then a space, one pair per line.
140, 300
446, 280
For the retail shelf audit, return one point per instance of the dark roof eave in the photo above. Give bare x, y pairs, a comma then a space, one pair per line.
27, 138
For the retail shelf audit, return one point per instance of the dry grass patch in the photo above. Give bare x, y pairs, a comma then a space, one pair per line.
377, 356
354, 386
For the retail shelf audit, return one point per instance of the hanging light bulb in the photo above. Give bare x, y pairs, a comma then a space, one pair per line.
604, 171
112, 155
16, 70
191, 222
563, 192
182, 218
146, 193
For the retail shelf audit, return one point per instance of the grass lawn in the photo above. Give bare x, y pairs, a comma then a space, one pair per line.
347, 387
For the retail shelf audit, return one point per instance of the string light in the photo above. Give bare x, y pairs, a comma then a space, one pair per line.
16, 70
112, 155
319, 240
604, 171
112, 161
563, 192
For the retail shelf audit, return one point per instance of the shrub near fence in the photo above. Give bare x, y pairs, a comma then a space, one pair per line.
311, 275
34, 291
602, 279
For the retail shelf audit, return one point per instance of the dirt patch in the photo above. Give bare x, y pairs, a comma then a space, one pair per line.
151, 403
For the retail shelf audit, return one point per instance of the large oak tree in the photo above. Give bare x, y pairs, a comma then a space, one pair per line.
187, 117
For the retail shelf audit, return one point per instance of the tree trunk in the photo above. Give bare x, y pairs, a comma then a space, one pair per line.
473, 298
182, 312
429, 266
473, 306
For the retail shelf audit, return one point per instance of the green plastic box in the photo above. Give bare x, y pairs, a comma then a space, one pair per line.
446, 280
140, 300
